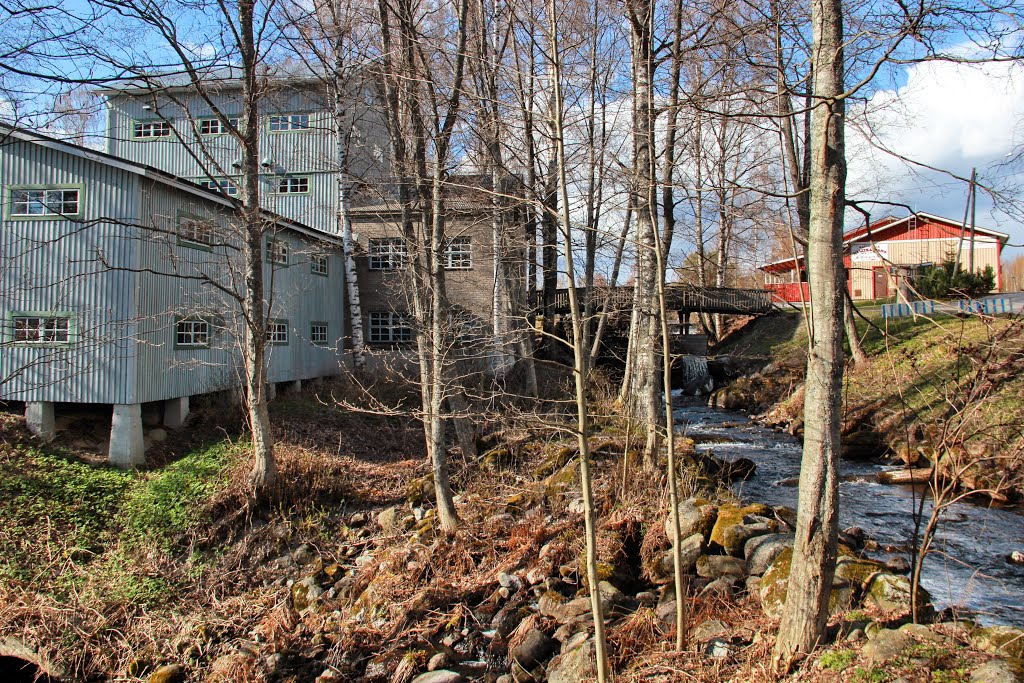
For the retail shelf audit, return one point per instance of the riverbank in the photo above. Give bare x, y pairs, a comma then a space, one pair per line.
173, 575
946, 393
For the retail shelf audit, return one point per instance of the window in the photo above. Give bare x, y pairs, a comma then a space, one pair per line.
387, 327
277, 331
56, 202
292, 185
458, 254
318, 333
192, 333
42, 328
277, 251
195, 230
225, 186
289, 122
149, 130
387, 253
215, 126
318, 264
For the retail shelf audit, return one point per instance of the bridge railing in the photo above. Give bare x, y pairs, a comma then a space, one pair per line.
687, 298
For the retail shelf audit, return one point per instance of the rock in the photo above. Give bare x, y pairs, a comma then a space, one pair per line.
761, 551
708, 630
719, 649
858, 572
610, 595
510, 581
891, 593
886, 646
696, 516
305, 593
647, 598
753, 585
439, 676
898, 565
534, 648
666, 612
786, 515
720, 566
719, 588
999, 671
390, 520
438, 661
730, 533
357, 519
1002, 640
420, 491
663, 569
574, 665
1016, 557
925, 634
170, 673
775, 582
554, 606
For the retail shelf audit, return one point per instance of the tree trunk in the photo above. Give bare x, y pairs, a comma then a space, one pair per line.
355, 308
814, 553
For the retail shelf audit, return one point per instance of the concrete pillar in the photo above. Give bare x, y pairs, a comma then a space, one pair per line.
271, 391
39, 416
175, 412
126, 446
295, 387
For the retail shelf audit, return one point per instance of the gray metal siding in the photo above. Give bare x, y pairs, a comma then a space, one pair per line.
65, 266
312, 152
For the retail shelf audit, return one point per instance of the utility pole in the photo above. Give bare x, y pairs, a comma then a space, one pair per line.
963, 227
974, 205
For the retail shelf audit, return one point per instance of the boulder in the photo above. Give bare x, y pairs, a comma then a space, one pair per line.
666, 612
720, 566
891, 593
731, 531
761, 551
305, 593
1016, 557
170, 673
696, 516
663, 569
439, 676
886, 646
1001, 640
719, 588
857, 571
775, 583
390, 520
534, 648
574, 665
999, 671
709, 630
554, 606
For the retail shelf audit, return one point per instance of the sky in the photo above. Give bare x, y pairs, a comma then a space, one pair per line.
951, 117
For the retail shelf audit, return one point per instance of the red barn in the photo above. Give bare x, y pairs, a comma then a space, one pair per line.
880, 256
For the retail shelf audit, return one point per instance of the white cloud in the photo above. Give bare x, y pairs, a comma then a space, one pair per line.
951, 117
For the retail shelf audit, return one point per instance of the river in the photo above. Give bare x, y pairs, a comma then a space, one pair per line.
968, 568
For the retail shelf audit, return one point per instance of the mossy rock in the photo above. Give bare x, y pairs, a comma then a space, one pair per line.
498, 458
857, 571
775, 584
556, 462
696, 516
521, 502
556, 484
1002, 640
421, 490
730, 531
891, 593
171, 673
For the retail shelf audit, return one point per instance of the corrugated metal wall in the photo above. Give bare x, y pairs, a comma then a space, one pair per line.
311, 152
67, 266
126, 319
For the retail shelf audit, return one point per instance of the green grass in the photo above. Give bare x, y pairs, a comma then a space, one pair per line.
168, 502
73, 526
838, 660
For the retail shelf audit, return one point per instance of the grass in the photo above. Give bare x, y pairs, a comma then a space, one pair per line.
838, 660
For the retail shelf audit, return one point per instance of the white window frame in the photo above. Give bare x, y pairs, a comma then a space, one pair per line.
318, 333
318, 265
196, 231
24, 202
293, 184
387, 253
277, 331
289, 123
223, 185
151, 130
276, 251
458, 254
210, 124
192, 333
388, 327
42, 328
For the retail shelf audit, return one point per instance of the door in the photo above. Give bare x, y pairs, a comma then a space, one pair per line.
880, 286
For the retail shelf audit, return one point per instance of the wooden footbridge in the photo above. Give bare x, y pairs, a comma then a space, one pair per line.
684, 299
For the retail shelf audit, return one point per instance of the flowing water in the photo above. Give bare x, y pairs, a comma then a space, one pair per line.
968, 569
